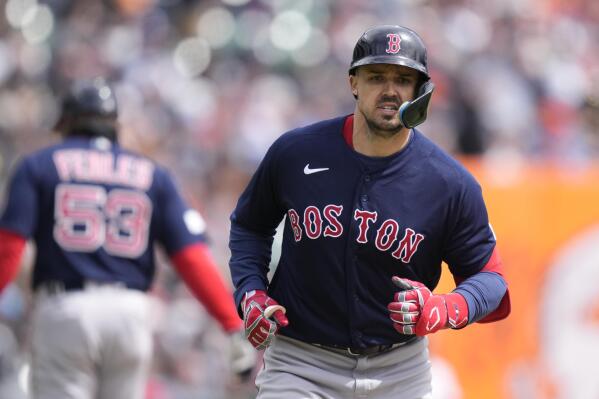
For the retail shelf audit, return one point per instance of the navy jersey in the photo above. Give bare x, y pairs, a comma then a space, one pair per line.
352, 223
95, 211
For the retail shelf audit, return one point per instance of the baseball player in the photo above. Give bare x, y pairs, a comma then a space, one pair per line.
94, 211
373, 209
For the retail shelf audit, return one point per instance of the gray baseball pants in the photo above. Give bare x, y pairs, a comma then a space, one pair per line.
94, 343
297, 370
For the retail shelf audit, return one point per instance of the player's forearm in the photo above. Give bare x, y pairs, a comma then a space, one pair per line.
11, 251
483, 292
197, 268
250, 257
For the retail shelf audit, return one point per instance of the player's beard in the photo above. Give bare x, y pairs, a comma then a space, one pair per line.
384, 126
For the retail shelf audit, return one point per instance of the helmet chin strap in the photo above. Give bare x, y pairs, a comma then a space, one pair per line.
413, 113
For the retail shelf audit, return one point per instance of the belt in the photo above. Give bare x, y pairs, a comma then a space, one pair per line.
366, 351
55, 287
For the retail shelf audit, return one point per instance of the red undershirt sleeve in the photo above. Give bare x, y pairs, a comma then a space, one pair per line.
11, 251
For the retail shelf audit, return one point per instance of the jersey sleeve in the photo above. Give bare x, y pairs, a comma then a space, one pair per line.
470, 240
178, 224
253, 225
259, 208
20, 212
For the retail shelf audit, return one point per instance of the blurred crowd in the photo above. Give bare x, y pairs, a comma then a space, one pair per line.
205, 86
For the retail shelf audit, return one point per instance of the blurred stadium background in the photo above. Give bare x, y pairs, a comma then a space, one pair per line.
205, 86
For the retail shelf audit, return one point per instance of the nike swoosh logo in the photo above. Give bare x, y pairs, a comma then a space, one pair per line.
308, 171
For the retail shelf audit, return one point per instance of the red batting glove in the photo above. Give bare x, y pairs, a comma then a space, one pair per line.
262, 318
416, 310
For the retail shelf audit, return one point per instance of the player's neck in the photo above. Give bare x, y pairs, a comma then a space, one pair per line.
369, 143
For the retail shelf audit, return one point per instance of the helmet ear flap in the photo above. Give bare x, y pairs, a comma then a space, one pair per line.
413, 113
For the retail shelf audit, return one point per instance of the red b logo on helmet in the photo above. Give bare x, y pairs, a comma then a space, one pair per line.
393, 43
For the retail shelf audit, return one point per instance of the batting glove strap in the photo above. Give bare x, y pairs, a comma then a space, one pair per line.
419, 312
259, 329
440, 312
457, 310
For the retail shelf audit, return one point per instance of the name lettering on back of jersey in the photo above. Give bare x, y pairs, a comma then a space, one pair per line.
314, 223
101, 167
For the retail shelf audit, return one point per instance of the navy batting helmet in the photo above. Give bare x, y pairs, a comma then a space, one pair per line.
397, 45
89, 107
390, 44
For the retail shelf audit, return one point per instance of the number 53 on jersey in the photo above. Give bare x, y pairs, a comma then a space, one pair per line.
90, 217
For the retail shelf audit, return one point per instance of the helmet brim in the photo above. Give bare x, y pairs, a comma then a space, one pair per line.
389, 59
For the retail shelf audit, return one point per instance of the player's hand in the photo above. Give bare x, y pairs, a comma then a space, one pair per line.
262, 318
243, 355
416, 310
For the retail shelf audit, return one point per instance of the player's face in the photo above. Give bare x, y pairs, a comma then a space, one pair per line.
381, 89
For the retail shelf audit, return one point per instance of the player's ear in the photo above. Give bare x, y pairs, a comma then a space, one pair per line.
353, 83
